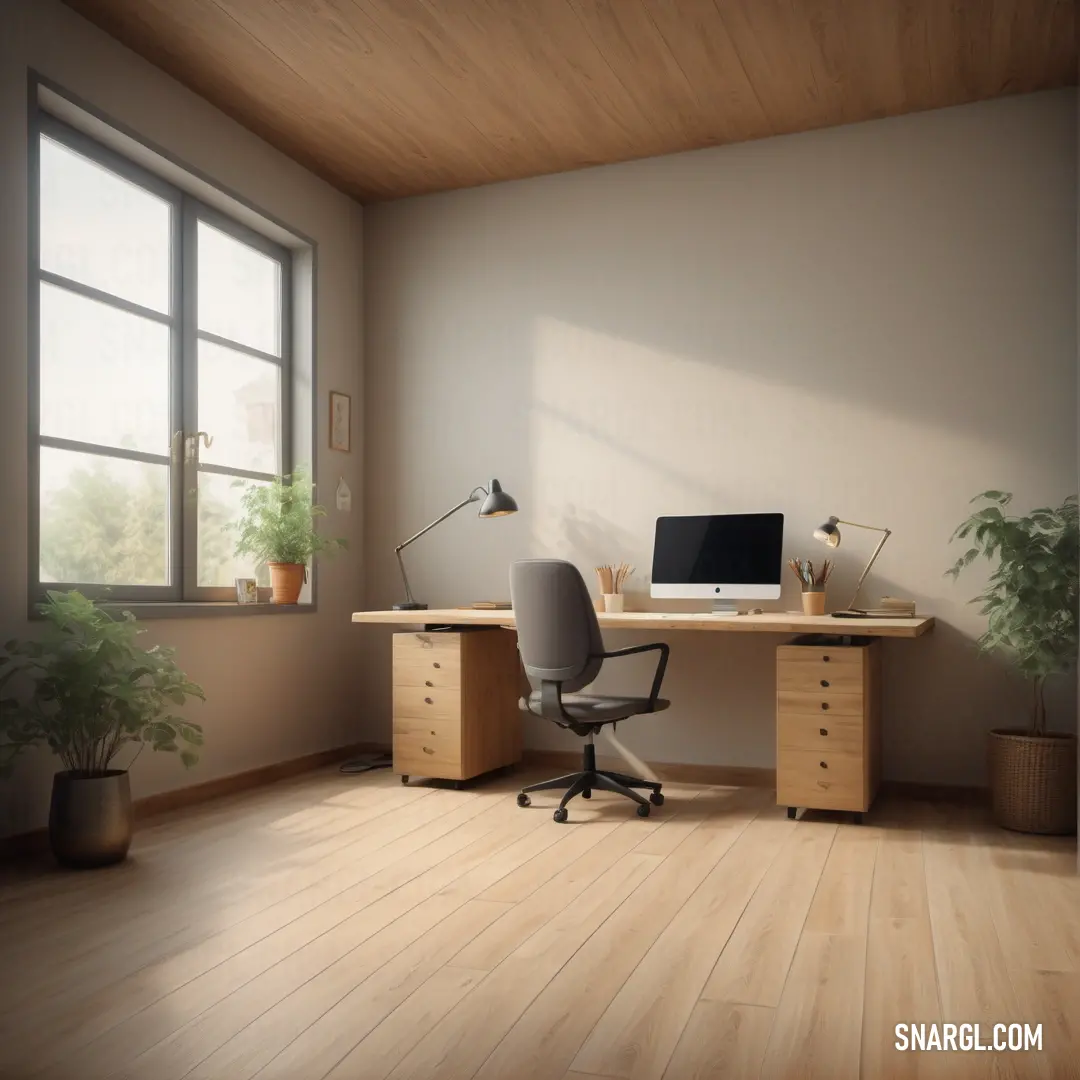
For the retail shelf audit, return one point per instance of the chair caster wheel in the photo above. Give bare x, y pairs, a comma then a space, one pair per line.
405, 778
643, 809
560, 815
656, 799
523, 799
586, 794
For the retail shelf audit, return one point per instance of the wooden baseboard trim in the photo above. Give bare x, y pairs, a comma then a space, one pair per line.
180, 798
952, 793
671, 771
37, 840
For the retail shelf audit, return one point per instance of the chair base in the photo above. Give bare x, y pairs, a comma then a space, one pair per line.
591, 779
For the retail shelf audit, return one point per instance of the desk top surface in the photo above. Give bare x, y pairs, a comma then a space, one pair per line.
772, 622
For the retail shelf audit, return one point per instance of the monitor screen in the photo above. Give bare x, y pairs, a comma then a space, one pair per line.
718, 555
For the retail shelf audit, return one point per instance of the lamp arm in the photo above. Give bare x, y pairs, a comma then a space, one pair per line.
877, 551
872, 528
473, 497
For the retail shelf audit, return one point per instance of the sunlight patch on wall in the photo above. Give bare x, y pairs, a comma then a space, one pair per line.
623, 432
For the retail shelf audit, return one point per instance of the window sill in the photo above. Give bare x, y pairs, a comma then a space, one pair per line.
206, 609
145, 610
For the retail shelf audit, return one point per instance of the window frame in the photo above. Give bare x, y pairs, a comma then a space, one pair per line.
184, 467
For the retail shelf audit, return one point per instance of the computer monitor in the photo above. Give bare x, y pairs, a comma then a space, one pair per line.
719, 557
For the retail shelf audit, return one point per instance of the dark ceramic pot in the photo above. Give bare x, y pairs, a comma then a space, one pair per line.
90, 820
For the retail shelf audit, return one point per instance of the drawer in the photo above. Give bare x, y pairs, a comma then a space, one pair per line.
815, 676
839, 734
443, 647
428, 755
413, 668
838, 655
445, 730
819, 703
824, 780
428, 702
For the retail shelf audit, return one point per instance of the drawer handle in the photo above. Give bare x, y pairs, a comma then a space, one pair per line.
823, 764
428, 682
429, 701
428, 750
436, 664
825, 659
823, 731
825, 706
825, 682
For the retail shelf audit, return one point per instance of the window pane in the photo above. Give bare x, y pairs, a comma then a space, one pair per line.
239, 291
219, 505
104, 374
104, 521
101, 230
240, 406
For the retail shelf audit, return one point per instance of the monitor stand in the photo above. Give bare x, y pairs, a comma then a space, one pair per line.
725, 607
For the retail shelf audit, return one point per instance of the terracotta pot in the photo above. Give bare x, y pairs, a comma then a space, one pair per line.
90, 819
286, 580
1033, 781
813, 600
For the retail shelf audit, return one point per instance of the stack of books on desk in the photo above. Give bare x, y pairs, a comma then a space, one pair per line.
894, 608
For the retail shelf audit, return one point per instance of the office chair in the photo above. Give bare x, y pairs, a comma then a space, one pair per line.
562, 650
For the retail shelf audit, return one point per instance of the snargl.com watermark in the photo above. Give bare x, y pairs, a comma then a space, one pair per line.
998, 1037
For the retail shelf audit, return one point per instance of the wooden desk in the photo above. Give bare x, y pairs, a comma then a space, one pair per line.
828, 713
772, 622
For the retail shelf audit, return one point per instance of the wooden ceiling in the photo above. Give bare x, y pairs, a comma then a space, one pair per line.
386, 98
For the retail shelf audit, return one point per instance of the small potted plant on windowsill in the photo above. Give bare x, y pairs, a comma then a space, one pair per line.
1031, 604
85, 689
278, 528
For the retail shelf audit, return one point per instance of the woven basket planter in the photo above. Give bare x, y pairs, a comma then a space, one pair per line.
1033, 781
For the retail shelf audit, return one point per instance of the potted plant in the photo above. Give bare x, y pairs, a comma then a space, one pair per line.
1031, 604
87, 690
278, 528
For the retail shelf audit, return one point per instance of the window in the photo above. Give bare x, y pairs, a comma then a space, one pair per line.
163, 377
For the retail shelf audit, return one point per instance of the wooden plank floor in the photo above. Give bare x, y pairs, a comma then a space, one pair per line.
350, 927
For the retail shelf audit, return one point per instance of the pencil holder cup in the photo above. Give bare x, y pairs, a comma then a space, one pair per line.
813, 600
613, 602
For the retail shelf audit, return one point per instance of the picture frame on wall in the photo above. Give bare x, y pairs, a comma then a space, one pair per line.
340, 421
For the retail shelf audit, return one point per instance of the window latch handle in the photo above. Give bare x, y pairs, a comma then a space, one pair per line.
192, 445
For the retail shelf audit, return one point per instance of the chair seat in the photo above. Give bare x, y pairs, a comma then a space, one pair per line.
596, 708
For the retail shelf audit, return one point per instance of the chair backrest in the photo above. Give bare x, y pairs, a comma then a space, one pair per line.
558, 636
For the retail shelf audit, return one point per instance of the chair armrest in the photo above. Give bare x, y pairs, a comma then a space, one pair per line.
551, 706
661, 665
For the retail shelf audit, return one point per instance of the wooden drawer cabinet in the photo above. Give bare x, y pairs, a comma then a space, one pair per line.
828, 726
455, 703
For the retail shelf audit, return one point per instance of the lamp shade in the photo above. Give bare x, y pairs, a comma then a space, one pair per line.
497, 503
828, 533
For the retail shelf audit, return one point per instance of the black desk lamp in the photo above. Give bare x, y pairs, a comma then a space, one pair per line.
496, 504
829, 534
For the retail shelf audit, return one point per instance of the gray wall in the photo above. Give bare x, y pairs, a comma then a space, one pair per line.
278, 687
876, 321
